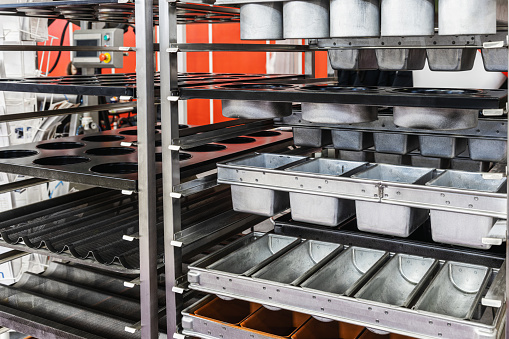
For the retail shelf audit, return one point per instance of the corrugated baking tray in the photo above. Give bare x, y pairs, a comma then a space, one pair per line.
400, 281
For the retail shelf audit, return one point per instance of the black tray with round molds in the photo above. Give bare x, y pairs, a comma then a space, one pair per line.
110, 159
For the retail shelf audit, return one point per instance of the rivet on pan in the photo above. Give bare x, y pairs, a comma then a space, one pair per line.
319, 187
476, 199
256, 180
277, 290
264, 288
329, 300
323, 309
240, 179
296, 178
314, 297
377, 321
224, 328
369, 308
448, 202
270, 298
442, 195
229, 280
326, 181
363, 191
224, 288
470, 206
386, 312
439, 334
449, 324
301, 186
217, 278
431, 322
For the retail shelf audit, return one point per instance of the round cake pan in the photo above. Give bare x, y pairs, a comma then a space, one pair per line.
435, 118
467, 17
261, 21
331, 113
306, 19
400, 59
353, 59
408, 17
451, 59
354, 18
256, 109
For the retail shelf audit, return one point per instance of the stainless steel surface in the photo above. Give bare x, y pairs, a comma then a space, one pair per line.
299, 263
352, 140
400, 59
344, 274
353, 59
404, 18
311, 137
255, 109
435, 118
338, 113
495, 59
306, 19
399, 281
458, 228
147, 168
258, 253
395, 143
497, 291
466, 164
488, 150
456, 290
467, 17
441, 147
355, 18
262, 21
391, 219
321, 210
451, 59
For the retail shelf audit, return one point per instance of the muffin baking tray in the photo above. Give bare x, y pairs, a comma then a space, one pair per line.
120, 84
393, 293
113, 11
101, 160
329, 92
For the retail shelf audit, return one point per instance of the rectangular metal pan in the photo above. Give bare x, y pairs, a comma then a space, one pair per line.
488, 150
262, 201
351, 140
275, 324
322, 210
460, 228
441, 147
395, 143
299, 263
456, 290
400, 280
315, 329
392, 219
311, 137
258, 253
344, 274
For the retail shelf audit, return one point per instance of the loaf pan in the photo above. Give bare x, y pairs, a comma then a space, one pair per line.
352, 140
441, 147
311, 137
395, 143
400, 280
276, 324
488, 150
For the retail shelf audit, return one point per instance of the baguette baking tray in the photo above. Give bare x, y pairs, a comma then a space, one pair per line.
384, 302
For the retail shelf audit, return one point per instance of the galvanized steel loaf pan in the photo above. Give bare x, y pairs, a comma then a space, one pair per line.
395, 59
441, 147
488, 150
311, 137
353, 59
306, 19
456, 290
352, 140
460, 228
390, 219
262, 201
298, 263
393, 159
400, 281
321, 210
495, 59
257, 253
395, 143
261, 21
451, 59
347, 272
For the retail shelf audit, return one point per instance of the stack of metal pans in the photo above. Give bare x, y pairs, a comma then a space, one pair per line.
115, 13
77, 12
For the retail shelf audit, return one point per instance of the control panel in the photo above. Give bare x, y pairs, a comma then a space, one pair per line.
98, 37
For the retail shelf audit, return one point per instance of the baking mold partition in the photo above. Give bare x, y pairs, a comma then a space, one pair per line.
102, 159
387, 291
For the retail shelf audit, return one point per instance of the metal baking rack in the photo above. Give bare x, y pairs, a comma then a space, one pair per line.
329, 92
